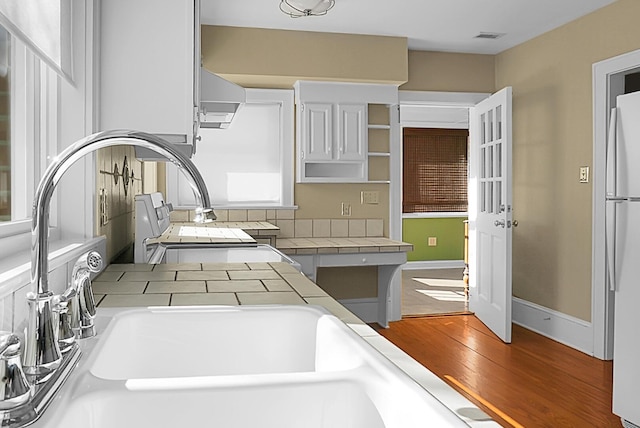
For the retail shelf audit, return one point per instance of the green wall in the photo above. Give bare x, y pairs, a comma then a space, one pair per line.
448, 231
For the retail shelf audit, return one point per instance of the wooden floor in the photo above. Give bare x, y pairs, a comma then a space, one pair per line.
532, 382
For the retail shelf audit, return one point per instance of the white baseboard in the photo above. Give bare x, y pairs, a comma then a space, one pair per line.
365, 309
434, 264
560, 327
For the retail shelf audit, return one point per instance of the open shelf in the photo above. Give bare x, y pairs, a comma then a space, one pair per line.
378, 126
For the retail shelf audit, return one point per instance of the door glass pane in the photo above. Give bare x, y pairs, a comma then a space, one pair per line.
490, 125
499, 160
483, 130
483, 206
483, 165
498, 196
490, 196
490, 162
499, 123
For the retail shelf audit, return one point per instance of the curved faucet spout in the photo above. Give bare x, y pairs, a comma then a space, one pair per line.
42, 199
42, 350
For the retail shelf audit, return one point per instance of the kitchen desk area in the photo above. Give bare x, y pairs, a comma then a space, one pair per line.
136, 285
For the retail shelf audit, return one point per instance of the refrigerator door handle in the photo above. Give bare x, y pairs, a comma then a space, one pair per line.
610, 246
610, 210
611, 161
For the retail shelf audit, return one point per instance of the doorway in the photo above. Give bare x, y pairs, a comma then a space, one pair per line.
412, 110
434, 209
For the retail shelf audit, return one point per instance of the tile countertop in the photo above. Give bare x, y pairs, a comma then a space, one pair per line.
135, 285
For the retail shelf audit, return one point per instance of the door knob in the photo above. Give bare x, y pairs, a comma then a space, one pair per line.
515, 223
498, 223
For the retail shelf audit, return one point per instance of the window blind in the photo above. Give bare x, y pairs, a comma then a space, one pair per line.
44, 26
434, 170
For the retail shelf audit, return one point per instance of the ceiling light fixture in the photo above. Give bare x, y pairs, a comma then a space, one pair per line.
300, 8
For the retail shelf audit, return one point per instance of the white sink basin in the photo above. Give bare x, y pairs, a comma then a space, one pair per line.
233, 367
329, 404
214, 341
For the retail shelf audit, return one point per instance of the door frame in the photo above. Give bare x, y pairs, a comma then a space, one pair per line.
425, 98
602, 300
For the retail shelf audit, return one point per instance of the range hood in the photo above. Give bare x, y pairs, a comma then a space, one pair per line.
219, 100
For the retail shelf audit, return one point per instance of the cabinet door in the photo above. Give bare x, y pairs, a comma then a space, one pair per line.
352, 132
317, 131
146, 65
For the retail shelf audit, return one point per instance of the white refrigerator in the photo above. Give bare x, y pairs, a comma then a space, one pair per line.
623, 253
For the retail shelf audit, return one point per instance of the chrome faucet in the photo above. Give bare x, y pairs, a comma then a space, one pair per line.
42, 353
42, 358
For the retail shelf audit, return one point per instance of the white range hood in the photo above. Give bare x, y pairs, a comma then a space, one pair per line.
219, 100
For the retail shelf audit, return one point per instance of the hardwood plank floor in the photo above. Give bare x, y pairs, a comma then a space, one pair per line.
532, 382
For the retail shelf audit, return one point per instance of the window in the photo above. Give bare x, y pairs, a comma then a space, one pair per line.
250, 163
28, 130
434, 170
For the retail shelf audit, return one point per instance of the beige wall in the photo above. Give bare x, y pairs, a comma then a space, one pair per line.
551, 78
254, 57
450, 72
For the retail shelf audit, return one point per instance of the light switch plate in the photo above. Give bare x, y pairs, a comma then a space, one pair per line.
432, 241
584, 174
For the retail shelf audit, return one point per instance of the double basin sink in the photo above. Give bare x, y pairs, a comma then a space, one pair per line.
248, 366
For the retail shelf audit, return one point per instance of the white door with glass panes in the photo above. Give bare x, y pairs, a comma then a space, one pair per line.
317, 131
352, 126
491, 212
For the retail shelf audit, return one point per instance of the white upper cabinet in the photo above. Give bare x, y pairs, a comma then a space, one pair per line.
333, 129
147, 59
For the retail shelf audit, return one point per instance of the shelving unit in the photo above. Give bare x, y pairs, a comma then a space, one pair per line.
379, 133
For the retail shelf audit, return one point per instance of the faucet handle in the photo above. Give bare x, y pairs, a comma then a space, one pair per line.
66, 336
14, 387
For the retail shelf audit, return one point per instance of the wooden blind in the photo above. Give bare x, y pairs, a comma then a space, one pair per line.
434, 170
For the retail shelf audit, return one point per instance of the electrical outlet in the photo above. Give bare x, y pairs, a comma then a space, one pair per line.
432, 241
346, 209
369, 197
584, 174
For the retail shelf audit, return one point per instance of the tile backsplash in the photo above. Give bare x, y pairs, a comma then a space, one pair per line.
290, 227
117, 186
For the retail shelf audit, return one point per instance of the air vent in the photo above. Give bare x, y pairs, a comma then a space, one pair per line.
491, 36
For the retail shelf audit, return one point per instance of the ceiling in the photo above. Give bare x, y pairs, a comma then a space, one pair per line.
435, 25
